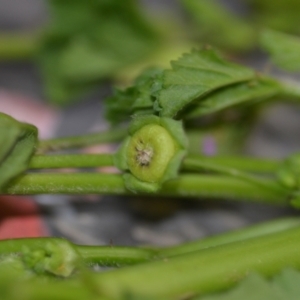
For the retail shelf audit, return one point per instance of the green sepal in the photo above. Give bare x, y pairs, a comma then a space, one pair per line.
137, 186
120, 156
139, 122
175, 130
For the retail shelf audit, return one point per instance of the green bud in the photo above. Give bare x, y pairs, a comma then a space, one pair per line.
152, 153
57, 257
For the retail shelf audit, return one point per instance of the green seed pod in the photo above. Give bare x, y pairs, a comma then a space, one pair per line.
152, 153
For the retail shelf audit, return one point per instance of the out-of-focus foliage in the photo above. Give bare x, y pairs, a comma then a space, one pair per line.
90, 40
215, 24
279, 15
284, 49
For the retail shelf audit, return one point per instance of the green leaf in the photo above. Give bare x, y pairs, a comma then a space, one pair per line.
218, 26
254, 287
241, 93
283, 48
18, 141
136, 99
194, 76
88, 41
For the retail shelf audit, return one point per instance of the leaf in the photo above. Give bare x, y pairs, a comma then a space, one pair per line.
240, 93
136, 99
88, 41
218, 26
255, 287
194, 76
17, 142
283, 48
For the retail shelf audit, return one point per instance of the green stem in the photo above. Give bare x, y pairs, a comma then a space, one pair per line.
198, 163
81, 141
118, 256
101, 255
190, 163
38, 289
208, 186
232, 236
242, 163
113, 256
17, 46
71, 161
205, 271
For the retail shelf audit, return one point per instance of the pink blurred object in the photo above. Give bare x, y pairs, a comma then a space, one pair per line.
19, 218
25, 109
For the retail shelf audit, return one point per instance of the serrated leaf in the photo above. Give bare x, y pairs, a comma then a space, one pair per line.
136, 99
286, 285
216, 25
17, 142
193, 76
241, 93
283, 48
88, 41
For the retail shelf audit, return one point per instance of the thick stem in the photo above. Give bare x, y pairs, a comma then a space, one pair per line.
241, 163
81, 141
249, 164
199, 163
232, 236
208, 186
113, 256
101, 255
71, 161
205, 271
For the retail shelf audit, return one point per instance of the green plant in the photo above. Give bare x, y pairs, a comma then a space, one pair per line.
164, 110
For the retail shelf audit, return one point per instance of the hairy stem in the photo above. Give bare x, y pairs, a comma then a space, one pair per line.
71, 161
208, 186
241, 163
191, 162
81, 141
232, 236
101, 255
199, 163
205, 271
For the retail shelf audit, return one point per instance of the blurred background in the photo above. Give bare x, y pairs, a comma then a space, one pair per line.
60, 59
